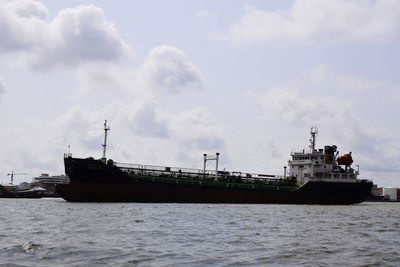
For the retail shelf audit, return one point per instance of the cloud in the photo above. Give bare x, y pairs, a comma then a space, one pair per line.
323, 75
294, 106
196, 128
318, 20
321, 95
145, 120
28, 8
107, 77
79, 128
74, 36
86, 35
165, 71
306, 101
23, 26
190, 129
168, 70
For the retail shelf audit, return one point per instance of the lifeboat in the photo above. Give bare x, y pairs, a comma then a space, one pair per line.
345, 159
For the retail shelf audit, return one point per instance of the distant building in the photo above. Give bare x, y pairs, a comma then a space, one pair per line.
392, 194
384, 194
49, 182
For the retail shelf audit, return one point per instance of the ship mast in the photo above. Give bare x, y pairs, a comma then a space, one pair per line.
313, 133
106, 128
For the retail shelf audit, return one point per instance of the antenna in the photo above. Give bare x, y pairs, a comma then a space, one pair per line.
313, 133
67, 155
106, 128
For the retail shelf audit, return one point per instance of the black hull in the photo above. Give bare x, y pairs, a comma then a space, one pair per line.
94, 181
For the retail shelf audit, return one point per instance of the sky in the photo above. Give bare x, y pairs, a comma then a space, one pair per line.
177, 79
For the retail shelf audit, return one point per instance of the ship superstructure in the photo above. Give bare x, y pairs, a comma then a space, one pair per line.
322, 164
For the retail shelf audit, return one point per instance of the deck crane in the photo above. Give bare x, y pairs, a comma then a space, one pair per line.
12, 175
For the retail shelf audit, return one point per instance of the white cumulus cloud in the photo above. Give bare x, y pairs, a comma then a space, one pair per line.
28, 8
165, 71
320, 96
76, 35
168, 70
86, 35
296, 107
23, 26
312, 20
144, 119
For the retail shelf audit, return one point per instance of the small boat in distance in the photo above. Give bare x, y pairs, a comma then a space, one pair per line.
13, 191
10, 191
315, 176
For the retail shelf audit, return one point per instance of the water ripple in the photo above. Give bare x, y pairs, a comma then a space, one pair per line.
52, 232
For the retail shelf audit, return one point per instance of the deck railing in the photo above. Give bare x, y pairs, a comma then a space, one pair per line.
191, 173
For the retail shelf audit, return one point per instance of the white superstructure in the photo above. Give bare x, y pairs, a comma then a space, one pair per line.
321, 164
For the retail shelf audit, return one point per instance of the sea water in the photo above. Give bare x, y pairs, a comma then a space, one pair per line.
53, 232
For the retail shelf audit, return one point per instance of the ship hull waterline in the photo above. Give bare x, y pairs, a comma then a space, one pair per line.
326, 193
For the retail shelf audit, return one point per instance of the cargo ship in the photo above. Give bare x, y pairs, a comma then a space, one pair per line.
313, 176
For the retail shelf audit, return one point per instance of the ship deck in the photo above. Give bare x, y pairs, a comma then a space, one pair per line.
196, 177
